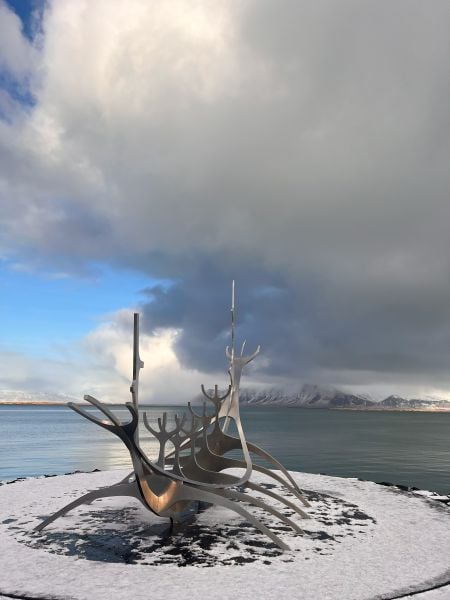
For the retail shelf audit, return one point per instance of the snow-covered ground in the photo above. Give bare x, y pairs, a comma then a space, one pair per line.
363, 541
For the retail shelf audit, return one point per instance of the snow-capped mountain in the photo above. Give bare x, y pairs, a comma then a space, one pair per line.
399, 402
21, 396
309, 396
314, 396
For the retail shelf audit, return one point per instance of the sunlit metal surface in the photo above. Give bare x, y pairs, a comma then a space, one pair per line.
192, 471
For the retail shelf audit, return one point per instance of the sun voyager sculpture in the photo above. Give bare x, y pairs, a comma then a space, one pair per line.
192, 469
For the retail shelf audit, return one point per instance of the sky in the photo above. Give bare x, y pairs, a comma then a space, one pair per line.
151, 152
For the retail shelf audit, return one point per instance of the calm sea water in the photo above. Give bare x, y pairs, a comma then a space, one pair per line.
408, 448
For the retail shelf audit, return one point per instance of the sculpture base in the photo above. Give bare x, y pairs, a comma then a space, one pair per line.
363, 541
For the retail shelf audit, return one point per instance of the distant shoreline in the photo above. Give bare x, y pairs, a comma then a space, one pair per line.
342, 408
387, 409
113, 404
31, 403
351, 408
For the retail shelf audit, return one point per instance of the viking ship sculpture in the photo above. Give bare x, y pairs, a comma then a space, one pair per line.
192, 471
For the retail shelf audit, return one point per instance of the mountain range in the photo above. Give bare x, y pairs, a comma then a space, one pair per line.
314, 396
308, 396
25, 397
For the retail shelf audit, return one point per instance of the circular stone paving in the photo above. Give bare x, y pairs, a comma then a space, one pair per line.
362, 541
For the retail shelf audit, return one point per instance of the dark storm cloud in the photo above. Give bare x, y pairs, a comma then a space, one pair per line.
199, 305
317, 330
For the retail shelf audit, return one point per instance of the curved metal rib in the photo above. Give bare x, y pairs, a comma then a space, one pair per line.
168, 493
223, 462
232, 495
119, 489
191, 493
104, 409
263, 454
222, 443
81, 411
196, 472
291, 505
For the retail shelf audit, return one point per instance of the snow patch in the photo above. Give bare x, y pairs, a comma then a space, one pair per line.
363, 541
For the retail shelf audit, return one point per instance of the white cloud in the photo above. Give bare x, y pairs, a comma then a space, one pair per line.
155, 118
100, 364
17, 55
162, 380
312, 141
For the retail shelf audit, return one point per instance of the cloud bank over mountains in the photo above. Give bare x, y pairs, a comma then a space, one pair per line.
301, 148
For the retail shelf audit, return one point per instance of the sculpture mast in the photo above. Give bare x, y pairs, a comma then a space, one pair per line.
137, 366
237, 363
232, 321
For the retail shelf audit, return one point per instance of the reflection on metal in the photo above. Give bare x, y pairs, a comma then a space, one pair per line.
192, 471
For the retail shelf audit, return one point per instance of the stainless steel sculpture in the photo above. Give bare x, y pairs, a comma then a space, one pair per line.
192, 471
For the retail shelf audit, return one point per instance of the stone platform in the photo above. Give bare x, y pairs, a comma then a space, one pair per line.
363, 541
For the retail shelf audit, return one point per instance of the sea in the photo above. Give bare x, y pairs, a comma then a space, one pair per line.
407, 448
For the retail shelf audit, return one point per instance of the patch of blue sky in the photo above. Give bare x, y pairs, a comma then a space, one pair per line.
30, 12
18, 91
39, 312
